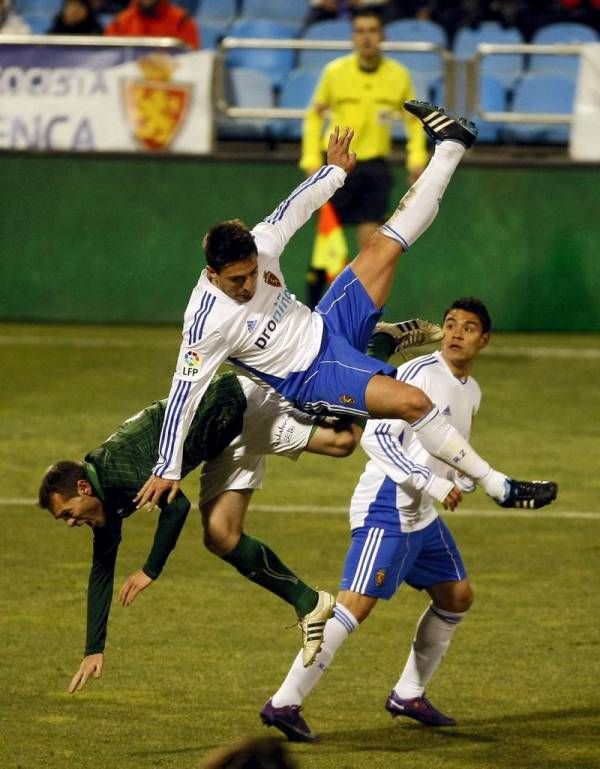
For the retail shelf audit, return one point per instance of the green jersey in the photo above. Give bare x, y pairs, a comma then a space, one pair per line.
119, 467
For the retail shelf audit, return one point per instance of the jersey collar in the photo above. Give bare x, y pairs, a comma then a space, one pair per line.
92, 476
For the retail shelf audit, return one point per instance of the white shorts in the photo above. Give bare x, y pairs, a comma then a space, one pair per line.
271, 426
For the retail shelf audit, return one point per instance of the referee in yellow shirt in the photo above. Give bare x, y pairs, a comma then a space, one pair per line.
363, 91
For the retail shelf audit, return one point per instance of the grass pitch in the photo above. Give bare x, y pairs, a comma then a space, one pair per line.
190, 664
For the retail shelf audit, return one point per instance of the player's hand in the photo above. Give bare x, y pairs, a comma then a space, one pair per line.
152, 491
338, 149
453, 499
133, 586
90, 666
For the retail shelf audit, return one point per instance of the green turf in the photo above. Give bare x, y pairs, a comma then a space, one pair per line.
189, 665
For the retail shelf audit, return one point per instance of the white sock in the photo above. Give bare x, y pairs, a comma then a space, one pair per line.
300, 681
442, 440
419, 207
434, 633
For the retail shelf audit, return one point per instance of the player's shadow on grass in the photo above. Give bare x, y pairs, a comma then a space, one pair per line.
400, 738
406, 736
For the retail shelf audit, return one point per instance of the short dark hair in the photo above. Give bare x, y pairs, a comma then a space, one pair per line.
252, 753
60, 478
366, 11
474, 305
228, 242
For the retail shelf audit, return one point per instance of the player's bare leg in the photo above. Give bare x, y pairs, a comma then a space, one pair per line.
223, 522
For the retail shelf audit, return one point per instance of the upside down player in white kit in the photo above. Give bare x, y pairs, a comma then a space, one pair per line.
240, 311
397, 535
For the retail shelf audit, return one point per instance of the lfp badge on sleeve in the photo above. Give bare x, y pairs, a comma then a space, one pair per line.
155, 106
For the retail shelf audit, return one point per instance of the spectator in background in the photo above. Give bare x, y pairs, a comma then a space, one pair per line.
10, 21
324, 10
364, 91
155, 18
76, 17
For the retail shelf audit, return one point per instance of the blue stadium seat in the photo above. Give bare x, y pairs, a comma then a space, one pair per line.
290, 13
38, 23
335, 29
218, 12
38, 7
246, 88
275, 63
296, 93
542, 93
493, 98
565, 33
504, 67
415, 31
211, 34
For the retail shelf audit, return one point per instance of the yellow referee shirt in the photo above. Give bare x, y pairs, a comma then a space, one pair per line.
365, 102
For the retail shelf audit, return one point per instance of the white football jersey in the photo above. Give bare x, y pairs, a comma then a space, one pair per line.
270, 336
401, 479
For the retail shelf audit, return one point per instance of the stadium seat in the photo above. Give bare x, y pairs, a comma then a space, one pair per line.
295, 93
563, 33
335, 29
415, 31
290, 13
246, 88
211, 35
275, 63
218, 12
542, 93
38, 7
38, 23
493, 98
504, 67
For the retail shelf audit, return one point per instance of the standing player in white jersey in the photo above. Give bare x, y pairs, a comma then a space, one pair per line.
397, 535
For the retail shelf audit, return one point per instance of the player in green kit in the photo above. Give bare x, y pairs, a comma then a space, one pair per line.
100, 492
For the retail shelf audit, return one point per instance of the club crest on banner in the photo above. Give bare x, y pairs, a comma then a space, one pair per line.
155, 106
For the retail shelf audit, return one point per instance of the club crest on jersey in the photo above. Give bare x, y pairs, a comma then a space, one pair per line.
271, 279
191, 363
347, 400
380, 577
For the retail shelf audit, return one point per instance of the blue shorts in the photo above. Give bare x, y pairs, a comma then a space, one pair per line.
337, 379
379, 560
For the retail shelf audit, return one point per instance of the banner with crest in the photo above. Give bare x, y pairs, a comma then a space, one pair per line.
95, 100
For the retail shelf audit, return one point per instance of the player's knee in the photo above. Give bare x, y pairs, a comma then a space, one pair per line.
415, 404
462, 598
219, 540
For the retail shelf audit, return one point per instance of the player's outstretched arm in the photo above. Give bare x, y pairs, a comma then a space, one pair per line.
133, 586
91, 665
276, 230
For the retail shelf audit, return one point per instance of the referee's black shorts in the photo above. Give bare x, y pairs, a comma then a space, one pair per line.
365, 196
